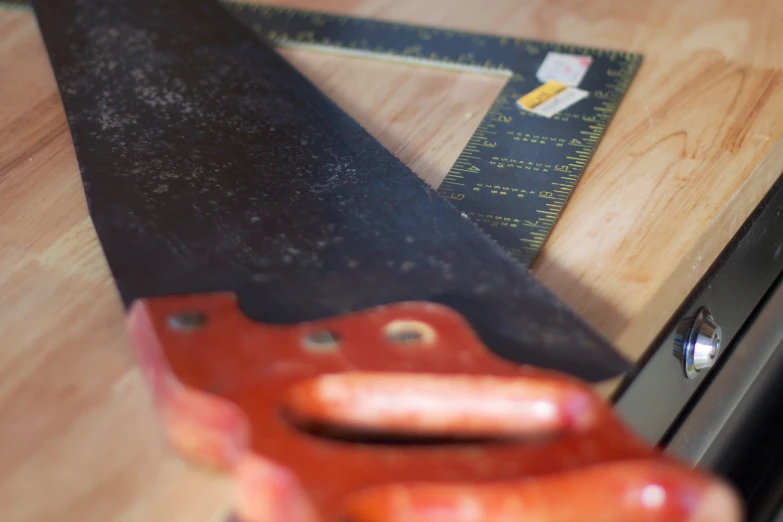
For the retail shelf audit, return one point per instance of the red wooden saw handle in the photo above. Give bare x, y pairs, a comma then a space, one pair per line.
398, 414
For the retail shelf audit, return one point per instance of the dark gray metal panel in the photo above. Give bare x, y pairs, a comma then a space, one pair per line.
652, 398
753, 368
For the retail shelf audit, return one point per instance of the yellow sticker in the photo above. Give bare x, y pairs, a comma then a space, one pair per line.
551, 98
541, 94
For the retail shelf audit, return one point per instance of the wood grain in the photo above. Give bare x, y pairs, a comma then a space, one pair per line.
695, 144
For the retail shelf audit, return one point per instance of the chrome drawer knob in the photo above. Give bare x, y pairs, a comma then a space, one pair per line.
697, 343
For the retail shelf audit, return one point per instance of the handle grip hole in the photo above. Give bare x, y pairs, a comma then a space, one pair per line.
350, 435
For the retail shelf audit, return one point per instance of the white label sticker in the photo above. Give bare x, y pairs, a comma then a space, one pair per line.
568, 69
550, 106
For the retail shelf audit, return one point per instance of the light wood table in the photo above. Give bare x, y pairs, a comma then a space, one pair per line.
694, 146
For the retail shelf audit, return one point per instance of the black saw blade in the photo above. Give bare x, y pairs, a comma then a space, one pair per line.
210, 164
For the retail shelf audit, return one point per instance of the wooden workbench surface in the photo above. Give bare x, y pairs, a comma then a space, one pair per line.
694, 146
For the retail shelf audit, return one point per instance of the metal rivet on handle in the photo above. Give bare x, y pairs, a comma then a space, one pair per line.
320, 341
697, 343
187, 321
403, 331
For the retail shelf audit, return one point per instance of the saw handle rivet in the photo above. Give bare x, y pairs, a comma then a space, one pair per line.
405, 331
187, 321
320, 341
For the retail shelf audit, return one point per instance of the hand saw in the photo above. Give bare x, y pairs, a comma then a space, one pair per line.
342, 355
